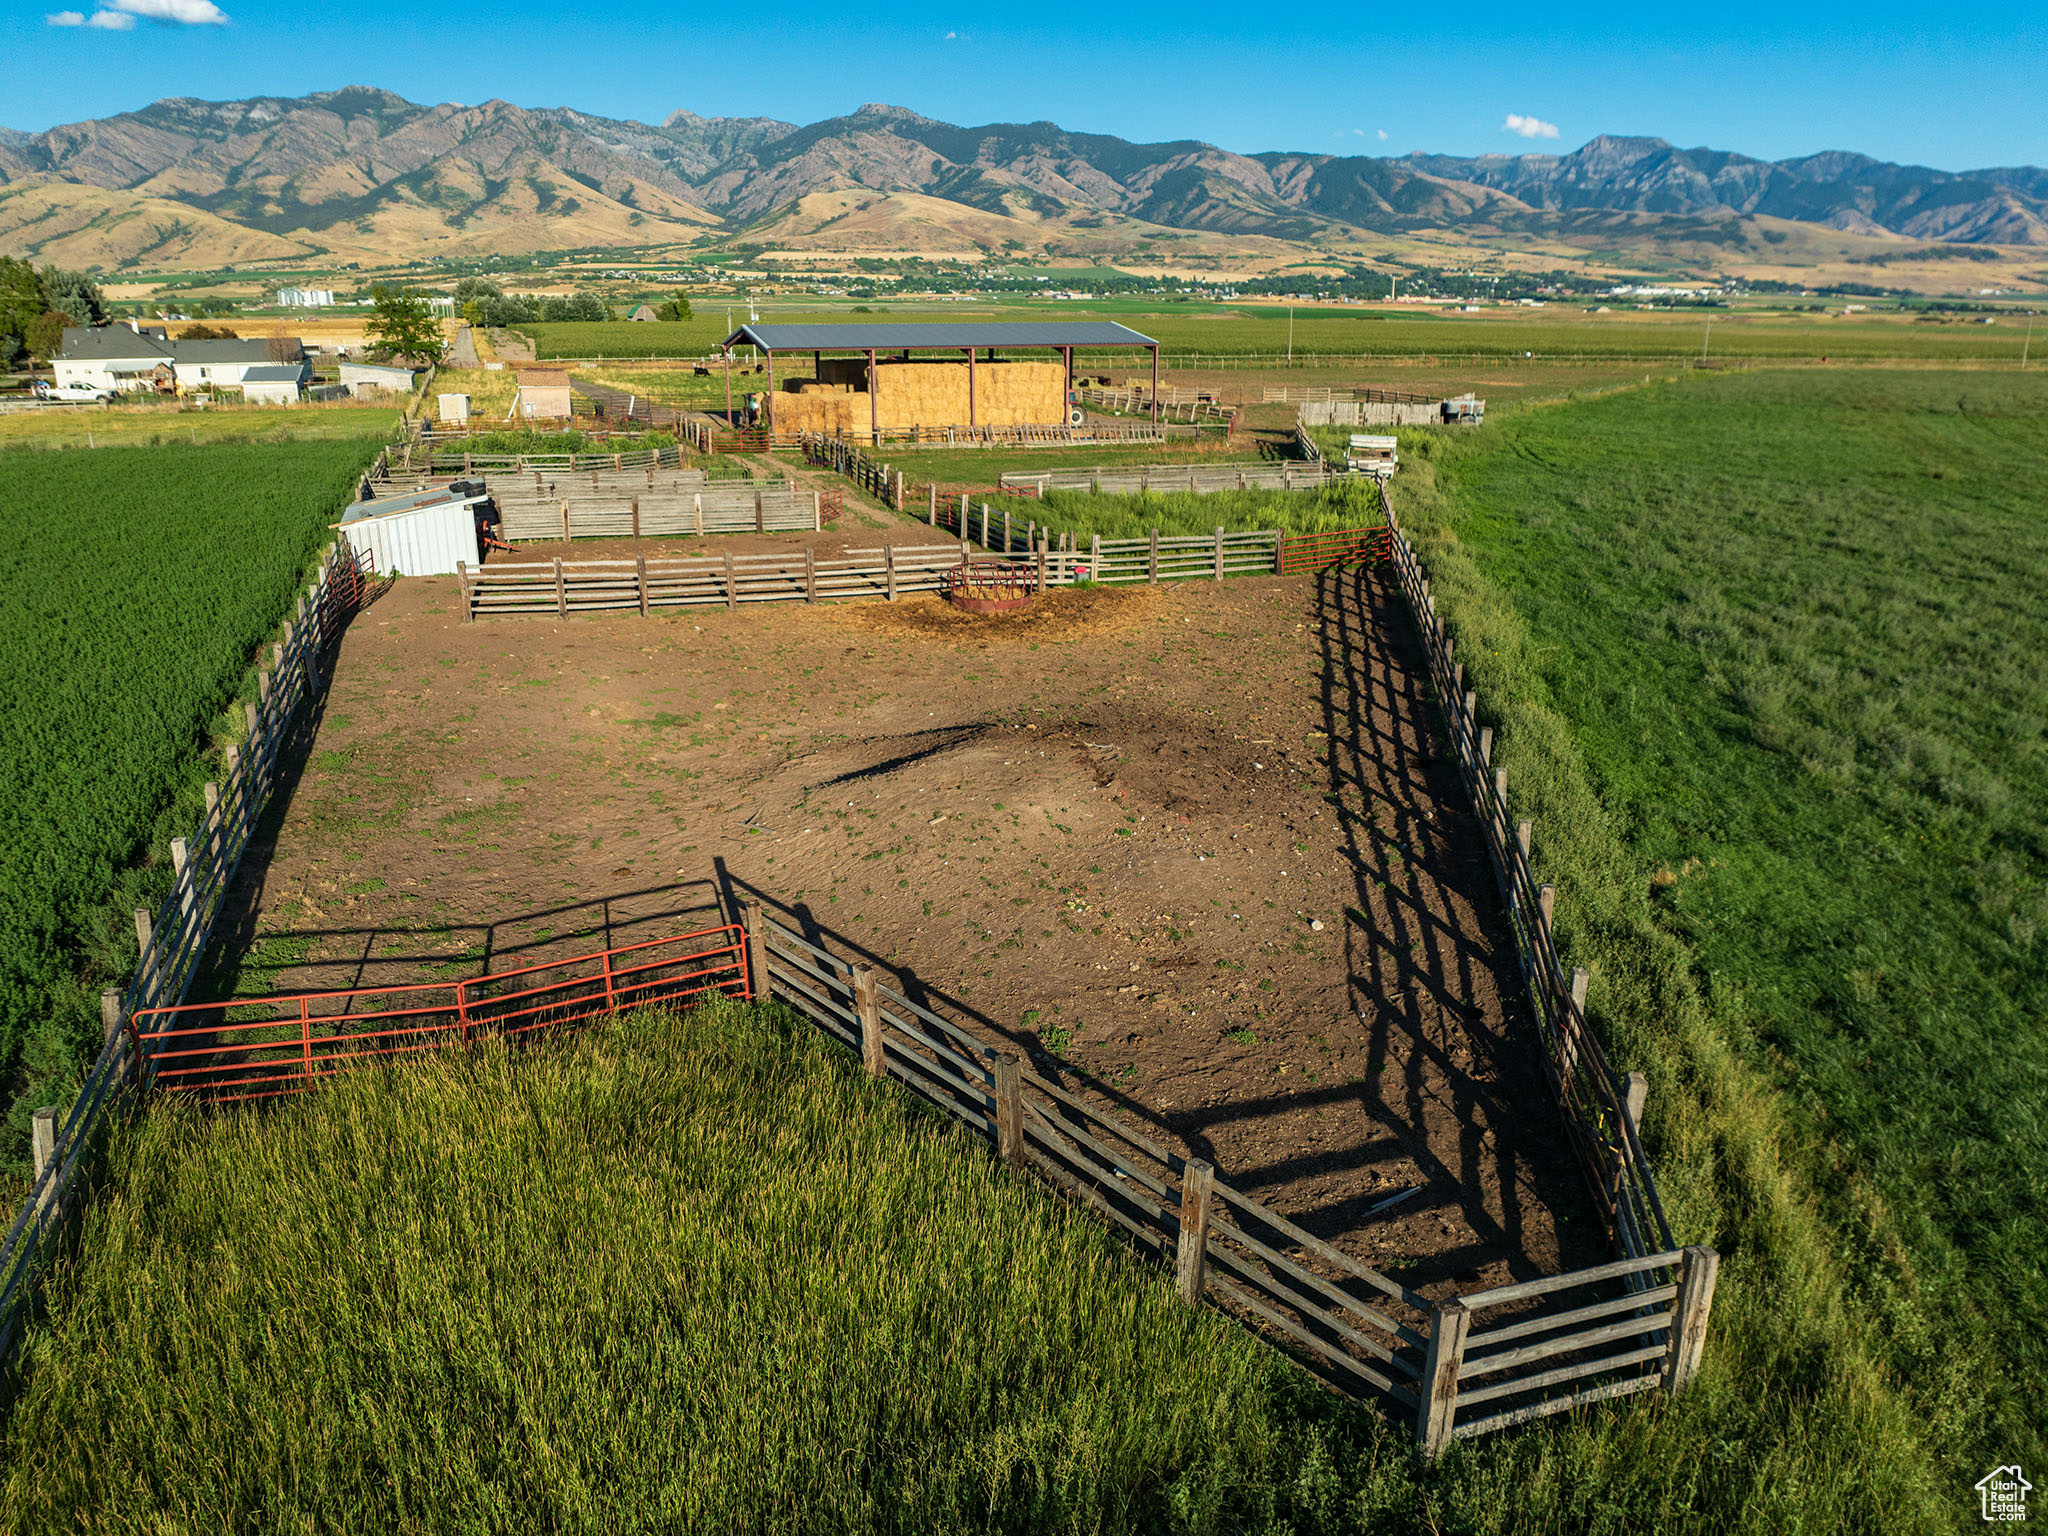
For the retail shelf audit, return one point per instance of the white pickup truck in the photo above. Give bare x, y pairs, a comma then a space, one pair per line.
73, 394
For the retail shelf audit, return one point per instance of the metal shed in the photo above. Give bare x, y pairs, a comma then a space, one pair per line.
422, 533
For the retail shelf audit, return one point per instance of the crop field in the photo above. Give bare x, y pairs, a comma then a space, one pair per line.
157, 426
1765, 653
1193, 331
134, 590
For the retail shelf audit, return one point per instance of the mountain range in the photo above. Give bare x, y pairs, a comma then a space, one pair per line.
362, 173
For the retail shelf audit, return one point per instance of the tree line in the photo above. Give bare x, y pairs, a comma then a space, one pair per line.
37, 303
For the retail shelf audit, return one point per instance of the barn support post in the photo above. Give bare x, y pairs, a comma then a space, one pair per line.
1155, 386
769, 395
727, 352
970, 388
874, 412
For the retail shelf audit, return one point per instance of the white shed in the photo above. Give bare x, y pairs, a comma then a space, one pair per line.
454, 410
375, 378
422, 533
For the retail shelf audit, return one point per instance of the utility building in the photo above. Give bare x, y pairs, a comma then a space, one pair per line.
864, 380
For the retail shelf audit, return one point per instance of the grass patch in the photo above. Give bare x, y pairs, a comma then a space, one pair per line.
1764, 654
691, 1273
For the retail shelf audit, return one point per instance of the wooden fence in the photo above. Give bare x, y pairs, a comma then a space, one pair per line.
608, 504
640, 585
1175, 404
1518, 1352
172, 940
1602, 1113
1164, 479
1370, 413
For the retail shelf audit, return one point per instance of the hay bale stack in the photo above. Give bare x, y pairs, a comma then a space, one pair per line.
928, 395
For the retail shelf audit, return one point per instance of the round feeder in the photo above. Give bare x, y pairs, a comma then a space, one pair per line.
991, 586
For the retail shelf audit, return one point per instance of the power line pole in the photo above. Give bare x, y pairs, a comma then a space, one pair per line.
1708, 337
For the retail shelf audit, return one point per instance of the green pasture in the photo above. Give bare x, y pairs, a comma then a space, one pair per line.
1764, 653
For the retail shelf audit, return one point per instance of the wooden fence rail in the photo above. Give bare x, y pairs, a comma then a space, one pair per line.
1166, 479
172, 940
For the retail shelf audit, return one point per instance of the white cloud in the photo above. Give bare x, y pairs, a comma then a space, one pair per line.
1529, 127
1383, 135
121, 15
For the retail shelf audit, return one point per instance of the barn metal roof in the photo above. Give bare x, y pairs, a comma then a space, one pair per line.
952, 335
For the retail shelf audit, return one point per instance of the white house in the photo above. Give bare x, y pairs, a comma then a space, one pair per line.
121, 357
205, 365
111, 357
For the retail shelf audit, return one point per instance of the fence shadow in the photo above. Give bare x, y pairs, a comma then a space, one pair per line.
1433, 966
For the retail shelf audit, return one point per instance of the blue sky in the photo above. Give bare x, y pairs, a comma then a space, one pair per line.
1949, 88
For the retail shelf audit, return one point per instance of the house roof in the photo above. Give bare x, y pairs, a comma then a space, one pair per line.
950, 335
275, 373
214, 351
543, 380
643, 312
105, 343
390, 368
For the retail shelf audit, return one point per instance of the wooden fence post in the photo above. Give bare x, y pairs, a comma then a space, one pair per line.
760, 514
1009, 1086
1219, 553
1041, 563
889, 569
1436, 1413
1191, 1260
867, 1007
754, 918
810, 574
817, 511
1152, 565
697, 507
1635, 1097
636, 517
1095, 557
42, 1138
462, 575
932, 514
565, 522
640, 581
1696, 1275
732, 591
561, 591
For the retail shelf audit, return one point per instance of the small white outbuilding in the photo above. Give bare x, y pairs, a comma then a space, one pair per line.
421, 533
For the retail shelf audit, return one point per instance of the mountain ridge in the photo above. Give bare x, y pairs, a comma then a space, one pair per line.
364, 168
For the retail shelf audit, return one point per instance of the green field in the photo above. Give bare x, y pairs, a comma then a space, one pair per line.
1187, 332
1765, 653
156, 426
685, 1274
136, 587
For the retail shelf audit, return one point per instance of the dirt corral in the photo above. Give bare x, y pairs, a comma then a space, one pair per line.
1192, 845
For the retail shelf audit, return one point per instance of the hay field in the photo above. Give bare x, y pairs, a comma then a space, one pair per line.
1764, 653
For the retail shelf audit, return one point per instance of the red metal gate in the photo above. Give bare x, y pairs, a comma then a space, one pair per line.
262, 1046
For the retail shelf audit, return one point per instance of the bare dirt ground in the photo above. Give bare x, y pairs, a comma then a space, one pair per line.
1193, 846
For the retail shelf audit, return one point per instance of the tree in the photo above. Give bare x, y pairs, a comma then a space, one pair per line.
21, 304
75, 294
45, 334
205, 332
404, 325
476, 288
281, 348
677, 308
577, 306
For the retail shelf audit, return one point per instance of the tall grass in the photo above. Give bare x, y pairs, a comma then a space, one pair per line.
1349, 504
1765, 657
683, 1274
